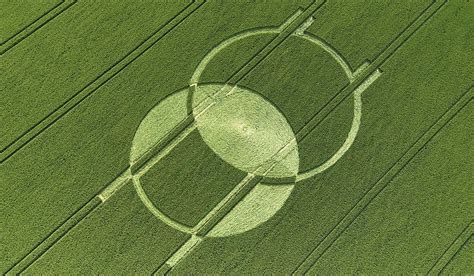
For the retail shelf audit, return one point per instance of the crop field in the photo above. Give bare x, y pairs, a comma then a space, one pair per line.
236, 137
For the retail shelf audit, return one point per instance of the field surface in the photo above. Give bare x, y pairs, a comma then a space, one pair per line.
236, 137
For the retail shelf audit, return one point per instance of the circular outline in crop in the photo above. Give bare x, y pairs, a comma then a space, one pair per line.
194, 81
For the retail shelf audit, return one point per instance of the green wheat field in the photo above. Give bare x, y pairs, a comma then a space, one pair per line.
236, 137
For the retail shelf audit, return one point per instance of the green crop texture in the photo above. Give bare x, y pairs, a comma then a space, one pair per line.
317, 137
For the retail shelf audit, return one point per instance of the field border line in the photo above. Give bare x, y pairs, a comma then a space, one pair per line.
35, 25
58, 232
382, 183
89, 89
452, 250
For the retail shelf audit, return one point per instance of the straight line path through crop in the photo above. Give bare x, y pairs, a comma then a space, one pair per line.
452, 250
56, 234
95, 84
81, 95
35, 25
98, 199
358, 81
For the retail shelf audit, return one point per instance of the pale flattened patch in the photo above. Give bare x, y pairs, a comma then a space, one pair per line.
259, 205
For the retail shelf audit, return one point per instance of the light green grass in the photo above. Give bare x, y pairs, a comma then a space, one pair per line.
245, 130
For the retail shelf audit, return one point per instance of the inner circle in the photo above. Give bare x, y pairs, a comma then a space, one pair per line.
245, 130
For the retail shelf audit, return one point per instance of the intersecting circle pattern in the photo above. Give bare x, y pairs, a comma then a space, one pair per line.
245, 130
